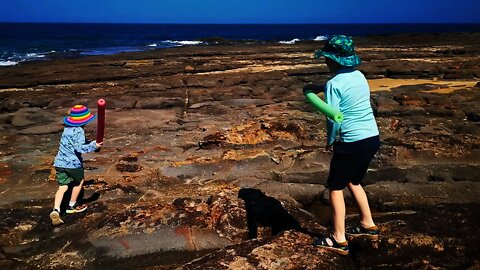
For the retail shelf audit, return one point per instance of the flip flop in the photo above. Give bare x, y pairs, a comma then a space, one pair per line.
340, 248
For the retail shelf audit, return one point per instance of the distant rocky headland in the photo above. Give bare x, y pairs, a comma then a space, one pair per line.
189, 127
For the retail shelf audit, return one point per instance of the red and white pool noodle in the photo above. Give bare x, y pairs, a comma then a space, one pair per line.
100, 120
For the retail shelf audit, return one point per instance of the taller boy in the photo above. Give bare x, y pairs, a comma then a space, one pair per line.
353, 142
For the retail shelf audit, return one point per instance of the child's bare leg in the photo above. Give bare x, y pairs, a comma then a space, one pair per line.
75, 191
59, 196
361, 198
338, 214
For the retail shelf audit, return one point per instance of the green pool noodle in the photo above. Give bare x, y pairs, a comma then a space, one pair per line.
323, 107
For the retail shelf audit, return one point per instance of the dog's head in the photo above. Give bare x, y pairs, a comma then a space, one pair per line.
251, 194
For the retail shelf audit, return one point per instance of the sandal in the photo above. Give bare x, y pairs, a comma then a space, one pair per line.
357, 231
55, 217
340, 248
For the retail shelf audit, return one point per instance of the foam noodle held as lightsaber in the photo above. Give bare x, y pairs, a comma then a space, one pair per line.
323, 107
100, 120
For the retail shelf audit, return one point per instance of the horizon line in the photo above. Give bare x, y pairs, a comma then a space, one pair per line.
238, 23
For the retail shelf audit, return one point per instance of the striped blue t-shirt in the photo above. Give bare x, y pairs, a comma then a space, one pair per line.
348, 91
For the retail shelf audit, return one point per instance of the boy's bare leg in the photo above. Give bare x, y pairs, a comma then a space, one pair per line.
361, 198
338, 214
75, 191
59, 196
55, 214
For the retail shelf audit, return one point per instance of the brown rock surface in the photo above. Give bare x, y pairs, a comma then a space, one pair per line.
188, 127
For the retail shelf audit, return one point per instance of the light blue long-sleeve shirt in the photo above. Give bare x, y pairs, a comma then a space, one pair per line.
72, 145
348, 91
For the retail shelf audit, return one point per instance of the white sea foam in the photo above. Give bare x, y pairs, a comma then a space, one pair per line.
152, 45
320, 38
16, 58
34, 55
184, 42
7, 63
293, 41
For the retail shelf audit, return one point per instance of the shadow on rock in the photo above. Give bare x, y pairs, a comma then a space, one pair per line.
266, 211
80, 199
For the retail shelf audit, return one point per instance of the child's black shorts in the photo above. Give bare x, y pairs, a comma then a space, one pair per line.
350, 162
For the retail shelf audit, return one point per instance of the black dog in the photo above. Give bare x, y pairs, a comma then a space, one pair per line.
266, 211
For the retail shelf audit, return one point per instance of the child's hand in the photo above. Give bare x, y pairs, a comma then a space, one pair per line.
99, 145
328, 148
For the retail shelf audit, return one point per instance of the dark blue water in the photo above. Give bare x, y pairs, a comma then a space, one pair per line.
41, 41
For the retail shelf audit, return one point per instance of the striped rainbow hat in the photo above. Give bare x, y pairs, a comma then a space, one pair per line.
78, 115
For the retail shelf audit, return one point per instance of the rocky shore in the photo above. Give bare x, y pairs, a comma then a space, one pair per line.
188, 128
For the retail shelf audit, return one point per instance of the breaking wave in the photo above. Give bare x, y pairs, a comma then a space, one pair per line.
7, 63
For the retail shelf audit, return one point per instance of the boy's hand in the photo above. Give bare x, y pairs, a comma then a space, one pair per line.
328, 148
99, 145
313, 88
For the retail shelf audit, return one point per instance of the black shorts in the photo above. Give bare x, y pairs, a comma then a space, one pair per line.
350, 162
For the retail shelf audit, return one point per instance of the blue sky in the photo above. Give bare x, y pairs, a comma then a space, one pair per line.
241, 11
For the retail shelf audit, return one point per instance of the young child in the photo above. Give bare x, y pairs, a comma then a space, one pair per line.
357, 142
68, 162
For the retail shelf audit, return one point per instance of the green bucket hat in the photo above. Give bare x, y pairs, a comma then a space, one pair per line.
340, 49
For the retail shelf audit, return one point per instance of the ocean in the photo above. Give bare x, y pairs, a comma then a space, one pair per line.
20, 42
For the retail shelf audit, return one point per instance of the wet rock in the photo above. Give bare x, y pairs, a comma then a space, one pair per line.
385, 106
419, 87
7, 264
45, 129
118, 63
402, 111
248, 182
123, 102
192, 172
401, 72
30, 116
313, 176
241, 102
473, 116
424, 234
163, 239
153, 86
68, 102
441, 101
458, 74
395, 174
393, 194
141, 119
410, 99
441, 112
273, 253
159, 103
3, 141
11, 106
303, 193
383, 101
210, 108
138, 63
5, 118
198, 81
